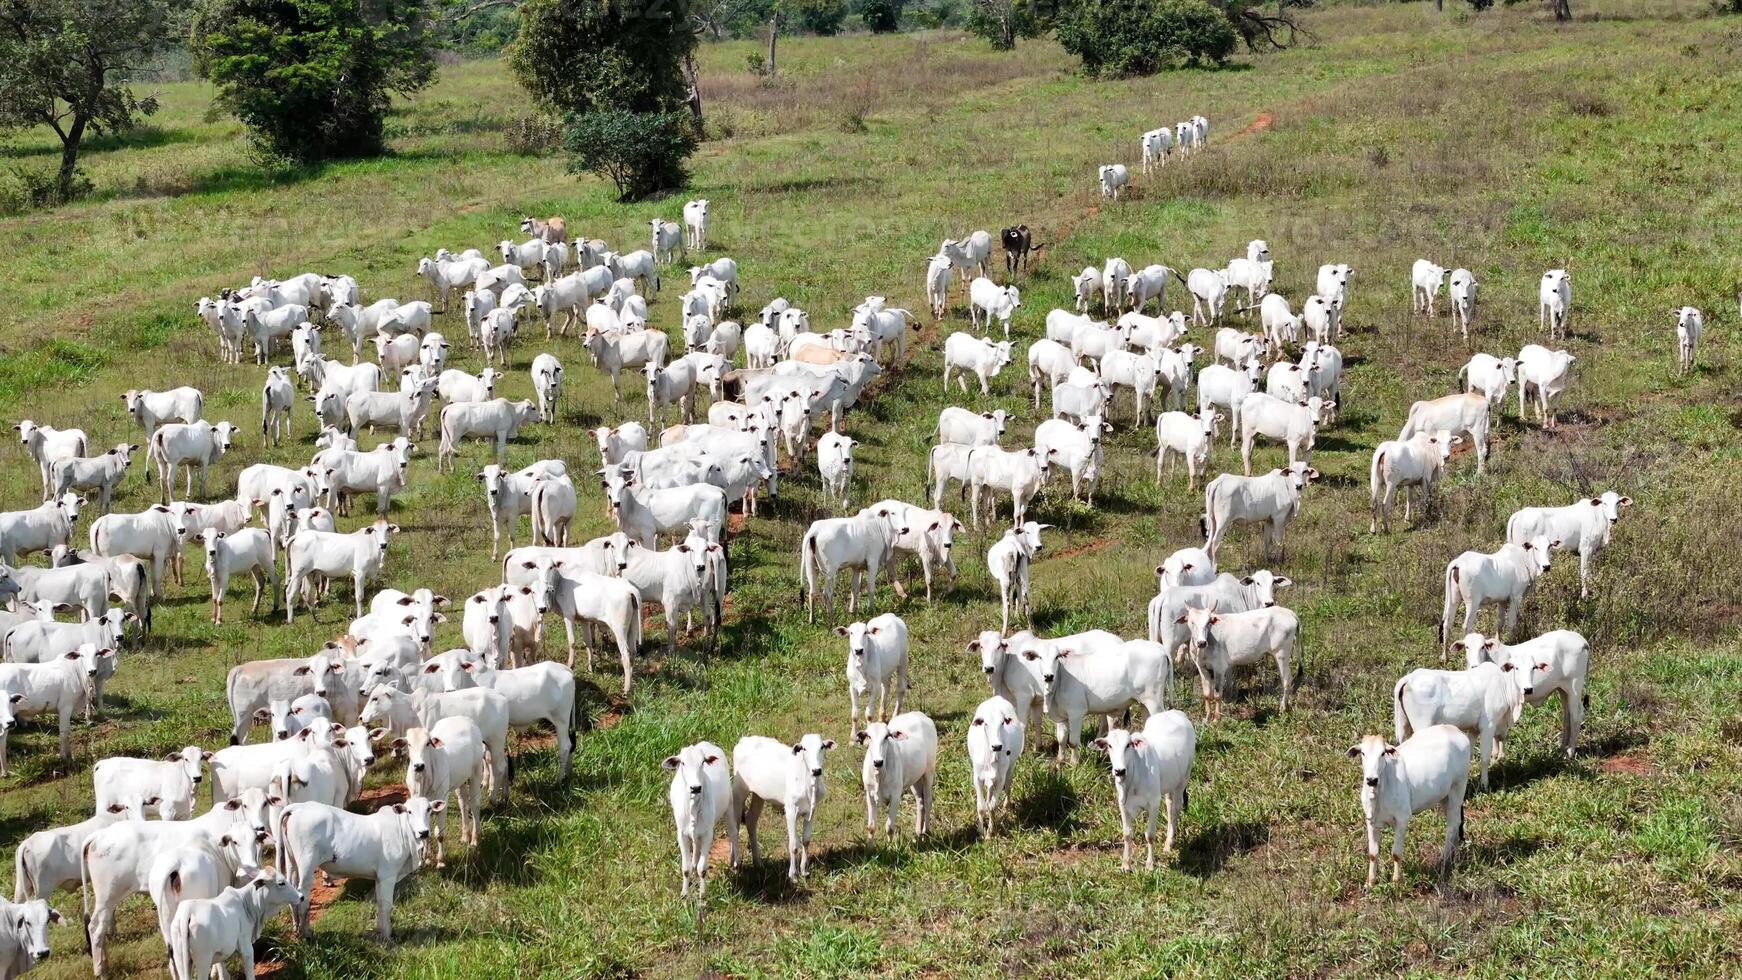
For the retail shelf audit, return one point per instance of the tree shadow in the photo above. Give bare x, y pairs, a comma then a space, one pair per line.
1207, 849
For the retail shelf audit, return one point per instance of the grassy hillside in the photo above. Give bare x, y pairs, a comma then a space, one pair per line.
1503, 143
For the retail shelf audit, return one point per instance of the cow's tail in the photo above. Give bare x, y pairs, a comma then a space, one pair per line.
283, 857
229, 702
1463, 374
1375, 471
23, 880
142, 595
1450, 606
180, 957
85, 891
634, 633
807, 564
1400, 721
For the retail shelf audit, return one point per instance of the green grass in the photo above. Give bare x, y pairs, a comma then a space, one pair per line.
1503, 143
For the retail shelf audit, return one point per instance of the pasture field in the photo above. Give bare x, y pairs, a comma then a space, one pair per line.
1504, 143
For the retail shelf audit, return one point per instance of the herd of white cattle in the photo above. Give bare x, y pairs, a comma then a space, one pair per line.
451, 713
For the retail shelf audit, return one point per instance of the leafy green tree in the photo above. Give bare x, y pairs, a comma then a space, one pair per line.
1117, 38
640, 152
820, 17
1003, 21
577, 56
67, 64
313, 79
881, 16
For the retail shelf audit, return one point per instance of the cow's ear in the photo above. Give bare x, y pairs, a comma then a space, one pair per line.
232, 804
399, 743
842, 630
1159, 569
1507, 667
670, 762
398, 808
1391, 750
1354, 752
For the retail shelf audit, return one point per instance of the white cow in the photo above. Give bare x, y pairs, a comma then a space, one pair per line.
1113, 178
1548, 372
200, 443
101, 474
1582, 528
965, 353
359, 555
1462, 292
1457, 415
1020, 473
206, 932
995, 742
1150, 771
928, 535
1490, 376
1554, 301
1333, 283
765, 770
50, 860
989, 299
1425, 280
695, 223
1223, 641
1115, 285
1209, 289
899, 756
1501, 578
1429, 770
1226, 388
150, 535
60, 687
1008, 560
1688, 323
1157, 144
1086, 284
860, 545
1272, 500
248, 550
1097, 673
1484, 701
151, 409
701, 796
498, 420
1554, 663
386, 846
47, 445
1413, 465
1295, 425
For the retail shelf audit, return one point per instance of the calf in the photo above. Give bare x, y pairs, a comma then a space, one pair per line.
1295, 425
1555, 299
1554, 663
198, 444
1113, 178
1049, 363
1455, 415
1501, 578
701, 795
995, 738
876, 667
1272, 501
1463, 295
1425, 280
206, 932
988, 299
509, 495
1333, 283
101, 474
1150, 771
966, 354
386, 846
1008, 560
1548, 372
447, 758
1226, 388
1582, 528
1490, 376
1097, 673
765, 770
1484, 701
455, 385
359, 554
860, 545
1222, 642
588, 598
835, 464
676, 578
646, 514
249, 550
1429, 770
1209, 289
547, 379
1688, 324
60, 687
1187, 436
540, 692
899, 756
199, 870
1412, 464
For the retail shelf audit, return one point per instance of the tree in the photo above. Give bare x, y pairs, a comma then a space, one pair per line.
640, 152
66, 64
1003, 21
313, 79
1562, 9
881, 16
1118, 38
577, 56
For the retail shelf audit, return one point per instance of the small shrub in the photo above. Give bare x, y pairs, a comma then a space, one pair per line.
640, 152
756, 64
534, 135
1142, 37
23, 189
881, 16
1588, 104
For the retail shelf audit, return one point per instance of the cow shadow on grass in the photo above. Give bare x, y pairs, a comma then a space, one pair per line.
1207, 848
1049, 803
883, 852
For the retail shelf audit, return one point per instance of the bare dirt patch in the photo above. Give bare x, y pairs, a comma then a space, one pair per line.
1084, 549
1629, 764
1258, 125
